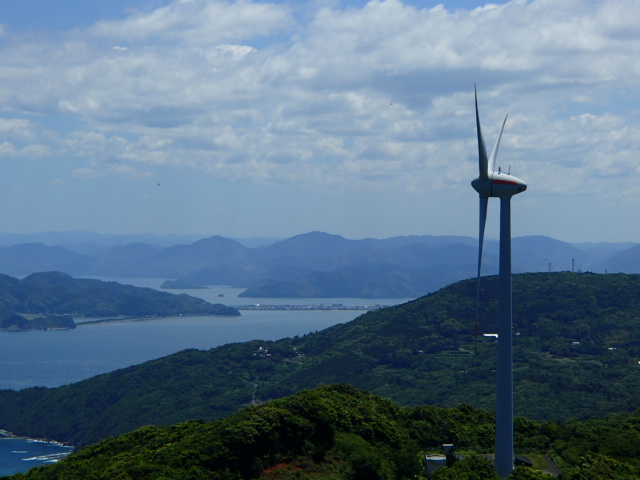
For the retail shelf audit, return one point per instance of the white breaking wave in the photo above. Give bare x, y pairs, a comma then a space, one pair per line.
52, 458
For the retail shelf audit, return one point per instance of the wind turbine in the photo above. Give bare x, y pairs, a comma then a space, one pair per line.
491, 183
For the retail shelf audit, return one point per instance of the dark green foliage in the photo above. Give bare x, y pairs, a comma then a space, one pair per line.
12, 321
366, 433
52, 321
417, 353
110, 404
56, 297
361, 437
471, 467
525, 473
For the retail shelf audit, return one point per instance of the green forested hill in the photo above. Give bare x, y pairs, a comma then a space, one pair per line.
576, 353
340, 432
56, 297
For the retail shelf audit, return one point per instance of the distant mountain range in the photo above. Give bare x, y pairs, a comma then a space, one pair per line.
314, 264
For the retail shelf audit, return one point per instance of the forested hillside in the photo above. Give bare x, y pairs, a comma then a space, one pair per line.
576, 354
340, 432
55, 297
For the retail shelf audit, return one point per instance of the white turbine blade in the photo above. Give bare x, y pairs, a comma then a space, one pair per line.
484, 203
494, 153
483, 162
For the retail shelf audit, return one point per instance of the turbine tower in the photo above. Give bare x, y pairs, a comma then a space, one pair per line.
491, 183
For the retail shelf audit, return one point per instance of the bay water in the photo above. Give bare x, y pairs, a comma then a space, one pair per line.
59, 357
17, 455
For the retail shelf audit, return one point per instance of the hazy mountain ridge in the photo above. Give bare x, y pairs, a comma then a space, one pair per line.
306, 265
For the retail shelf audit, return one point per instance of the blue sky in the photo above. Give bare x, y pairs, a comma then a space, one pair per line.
356, 118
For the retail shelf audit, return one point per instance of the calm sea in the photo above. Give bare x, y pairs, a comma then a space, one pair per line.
54, 358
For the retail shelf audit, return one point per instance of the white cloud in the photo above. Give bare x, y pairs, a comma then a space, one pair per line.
352, 98
18, 129
198, 22
110, 171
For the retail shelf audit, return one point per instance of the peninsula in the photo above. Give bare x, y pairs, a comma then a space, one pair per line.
51, 300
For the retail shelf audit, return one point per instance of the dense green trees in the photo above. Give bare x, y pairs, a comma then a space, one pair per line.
567, 365
353, 427
340, 432
56, 297
52, 321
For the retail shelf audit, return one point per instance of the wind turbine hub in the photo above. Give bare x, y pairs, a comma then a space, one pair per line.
499, 184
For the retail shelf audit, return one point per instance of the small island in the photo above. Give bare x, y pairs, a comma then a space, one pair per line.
181, 284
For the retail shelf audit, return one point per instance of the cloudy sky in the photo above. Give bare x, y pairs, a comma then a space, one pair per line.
255, 118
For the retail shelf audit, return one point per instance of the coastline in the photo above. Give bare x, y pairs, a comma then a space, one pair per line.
19, 454
118, 319
149, 317
5, 434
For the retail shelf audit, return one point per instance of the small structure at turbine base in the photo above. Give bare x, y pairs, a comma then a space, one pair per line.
433, 462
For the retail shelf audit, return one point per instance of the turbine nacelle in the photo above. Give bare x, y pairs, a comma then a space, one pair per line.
499, 184
492, 183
